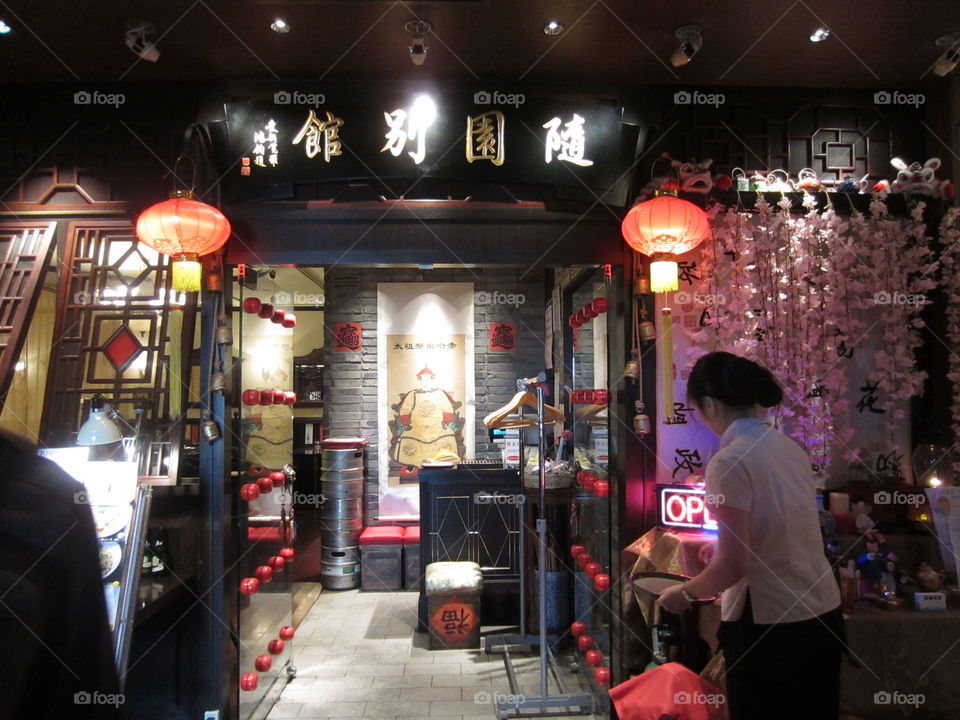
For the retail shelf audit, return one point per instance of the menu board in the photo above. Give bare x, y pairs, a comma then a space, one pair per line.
109, 490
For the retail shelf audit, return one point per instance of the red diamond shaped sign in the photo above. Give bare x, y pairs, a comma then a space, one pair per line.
122, 348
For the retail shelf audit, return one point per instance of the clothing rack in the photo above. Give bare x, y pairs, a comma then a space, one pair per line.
582, 703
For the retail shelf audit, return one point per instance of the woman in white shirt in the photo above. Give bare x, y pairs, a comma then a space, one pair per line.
782, 628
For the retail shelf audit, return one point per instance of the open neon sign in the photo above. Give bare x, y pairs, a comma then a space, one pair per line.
685, 507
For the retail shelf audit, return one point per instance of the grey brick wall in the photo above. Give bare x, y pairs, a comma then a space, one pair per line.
350, 379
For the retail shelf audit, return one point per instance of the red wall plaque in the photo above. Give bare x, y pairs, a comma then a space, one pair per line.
347, 337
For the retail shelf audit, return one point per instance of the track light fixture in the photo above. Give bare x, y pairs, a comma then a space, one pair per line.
418, 30
136, 39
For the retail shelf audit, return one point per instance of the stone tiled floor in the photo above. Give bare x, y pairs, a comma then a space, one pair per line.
358, 655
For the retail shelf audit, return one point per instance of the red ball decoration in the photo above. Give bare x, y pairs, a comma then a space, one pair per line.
266, 311
602, 675
266, 397
723, 182
251, 397
265, 484
279, 397
249, 491
278, 316
580, 317
593, 658
576, 550
289, 321
264, 573
665, 224
601, 488
248, 681
263, 663
251, 305
290, 398
275, 646
578, 628
278, 478
601, 581
584, 558
592, 568
588, 312
600, 305
585, 642
287, 632
249, 586
277, 563
288, 553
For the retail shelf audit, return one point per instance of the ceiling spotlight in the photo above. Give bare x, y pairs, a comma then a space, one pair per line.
279, 25
553, 28
418, 29
949, 47
4, 28
691, 38
819, 35
136, 39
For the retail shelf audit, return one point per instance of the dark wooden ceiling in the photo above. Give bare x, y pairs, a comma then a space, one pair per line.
884, 43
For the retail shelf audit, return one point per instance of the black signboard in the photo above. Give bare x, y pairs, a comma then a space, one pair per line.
492, 137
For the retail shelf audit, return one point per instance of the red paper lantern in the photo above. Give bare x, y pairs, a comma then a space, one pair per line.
584, 558
290, 398
266, 397
580, 317
266, 311
602, 675
578, 628
601, 488
278, 316
601, 396
289, 320
248, 681
585, 642
251, 397
277, 563
592, 568
265, 484
601, 581
588, 312
251, 305
287, 553
263, 663
662, 228
249, 491
278, 478
572, 321
575, 550
275, 646
600, 305
279, 397
287, 632
264, 573
249, 586
184, 229
593, 658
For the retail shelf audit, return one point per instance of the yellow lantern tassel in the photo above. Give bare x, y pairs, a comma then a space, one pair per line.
187, 273
665, 350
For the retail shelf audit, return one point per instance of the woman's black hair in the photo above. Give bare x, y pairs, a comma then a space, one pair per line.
733, 380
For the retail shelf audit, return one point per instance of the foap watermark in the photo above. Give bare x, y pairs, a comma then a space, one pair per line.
495, 498
313, 499
899, 698
80, 498
295, 97
98, 698
695, 97
695, 298
895, 97
485, 97
282, 297
485, 697
498, 298
682, 697
95, 97
899, 298
885, 497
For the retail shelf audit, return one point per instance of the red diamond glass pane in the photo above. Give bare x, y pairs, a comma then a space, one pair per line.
122, 348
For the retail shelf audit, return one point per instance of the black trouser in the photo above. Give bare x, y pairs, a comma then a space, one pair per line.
784, 671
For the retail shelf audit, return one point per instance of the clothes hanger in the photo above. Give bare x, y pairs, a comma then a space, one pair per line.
498, 418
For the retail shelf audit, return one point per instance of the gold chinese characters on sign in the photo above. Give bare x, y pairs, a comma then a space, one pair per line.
316, 134
485, 137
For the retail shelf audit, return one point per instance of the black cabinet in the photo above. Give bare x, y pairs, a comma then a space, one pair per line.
473, 515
